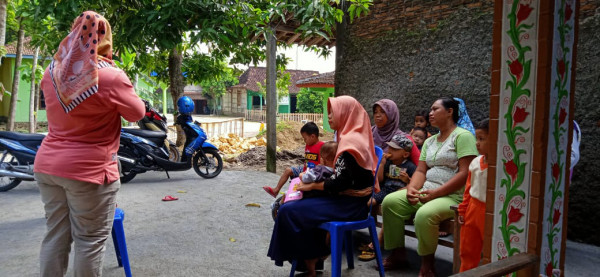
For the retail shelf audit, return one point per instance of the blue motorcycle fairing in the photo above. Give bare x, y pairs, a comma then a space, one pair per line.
16, 146
209, 145
197, 142
136, 139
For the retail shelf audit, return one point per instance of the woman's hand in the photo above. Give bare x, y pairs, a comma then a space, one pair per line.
358, 193
428, 195
461, 219
305, 187
412, 195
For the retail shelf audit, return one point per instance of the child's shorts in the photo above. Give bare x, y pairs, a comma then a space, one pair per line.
385, 190
296, 170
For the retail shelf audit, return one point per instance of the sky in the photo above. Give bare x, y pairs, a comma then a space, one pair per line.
304, 60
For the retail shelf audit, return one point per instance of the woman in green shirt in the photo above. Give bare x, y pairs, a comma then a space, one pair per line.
436, 185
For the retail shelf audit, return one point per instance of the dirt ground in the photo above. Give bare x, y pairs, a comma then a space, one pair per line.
290, 149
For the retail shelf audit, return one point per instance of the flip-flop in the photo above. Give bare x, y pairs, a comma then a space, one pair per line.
388, 265
270, 191
366, 256
169, 198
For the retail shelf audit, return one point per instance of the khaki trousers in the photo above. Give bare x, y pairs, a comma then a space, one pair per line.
78, 212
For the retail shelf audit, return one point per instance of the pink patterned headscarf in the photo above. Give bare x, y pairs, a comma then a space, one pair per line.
87, 48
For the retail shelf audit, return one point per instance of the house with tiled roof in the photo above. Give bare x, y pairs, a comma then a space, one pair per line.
323, 84
7, 70
246, 96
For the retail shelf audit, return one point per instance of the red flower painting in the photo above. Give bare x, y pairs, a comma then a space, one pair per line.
549, 269
568, 12
514, 215
511, 169
519, 116
555, 217
523, 12
561, 68
516, 69
555, 171
562, 115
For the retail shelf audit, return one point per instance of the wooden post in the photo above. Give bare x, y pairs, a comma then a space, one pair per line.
271, 102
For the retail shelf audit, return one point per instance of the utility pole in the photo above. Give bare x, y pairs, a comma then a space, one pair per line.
271, 102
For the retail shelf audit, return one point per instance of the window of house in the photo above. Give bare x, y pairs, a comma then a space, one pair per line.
239, 99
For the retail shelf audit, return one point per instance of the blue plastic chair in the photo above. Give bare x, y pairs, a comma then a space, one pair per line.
340, 230
118, 235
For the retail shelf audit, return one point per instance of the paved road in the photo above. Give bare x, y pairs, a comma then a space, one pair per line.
191, 236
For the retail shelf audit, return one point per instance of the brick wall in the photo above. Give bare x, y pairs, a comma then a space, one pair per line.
388, 15
395, 52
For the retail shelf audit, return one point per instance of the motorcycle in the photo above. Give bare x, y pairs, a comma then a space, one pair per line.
154, 121
18, 154
144, 150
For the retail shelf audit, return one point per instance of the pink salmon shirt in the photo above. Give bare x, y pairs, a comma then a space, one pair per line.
82, 145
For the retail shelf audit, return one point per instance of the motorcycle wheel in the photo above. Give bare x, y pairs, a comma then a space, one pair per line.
210, 166
173, 153
126, 172
8, 183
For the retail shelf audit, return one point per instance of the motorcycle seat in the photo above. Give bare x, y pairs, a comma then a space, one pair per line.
146, 133
22, 136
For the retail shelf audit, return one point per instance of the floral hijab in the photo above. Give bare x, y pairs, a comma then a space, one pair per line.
385, 134
463, 117
354, 132
87, 48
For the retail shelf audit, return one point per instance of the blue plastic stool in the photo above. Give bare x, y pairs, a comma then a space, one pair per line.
341, 232
118, 235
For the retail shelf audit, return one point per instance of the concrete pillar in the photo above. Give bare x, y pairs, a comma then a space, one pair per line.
530, 127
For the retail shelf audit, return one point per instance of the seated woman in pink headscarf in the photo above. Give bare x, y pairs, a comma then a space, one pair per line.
386, 118
296, 235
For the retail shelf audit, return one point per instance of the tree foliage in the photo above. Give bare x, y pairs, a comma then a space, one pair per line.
309, 101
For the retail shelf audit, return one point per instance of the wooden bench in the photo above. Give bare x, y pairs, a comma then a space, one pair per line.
502, 267
450, 226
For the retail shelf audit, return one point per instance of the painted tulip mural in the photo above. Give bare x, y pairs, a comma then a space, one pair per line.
516, 109
558, 138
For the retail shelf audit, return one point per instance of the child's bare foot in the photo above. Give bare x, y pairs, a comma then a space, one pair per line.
271, 191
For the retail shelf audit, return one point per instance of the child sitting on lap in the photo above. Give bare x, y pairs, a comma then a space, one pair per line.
314, 175
310, 135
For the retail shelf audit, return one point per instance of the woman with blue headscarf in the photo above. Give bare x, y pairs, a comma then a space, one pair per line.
436, 185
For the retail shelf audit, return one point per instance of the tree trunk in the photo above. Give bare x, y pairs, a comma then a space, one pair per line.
271, 103
17, 76
32, 92
2, 22
176, 87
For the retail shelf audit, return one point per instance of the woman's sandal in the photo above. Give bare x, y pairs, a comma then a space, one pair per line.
366, 256
389, 265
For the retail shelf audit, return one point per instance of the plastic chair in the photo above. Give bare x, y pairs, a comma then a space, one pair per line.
118, 235
340, 230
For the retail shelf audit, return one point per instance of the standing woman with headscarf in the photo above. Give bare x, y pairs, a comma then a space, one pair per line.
296, 235
386, 118
76, 165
